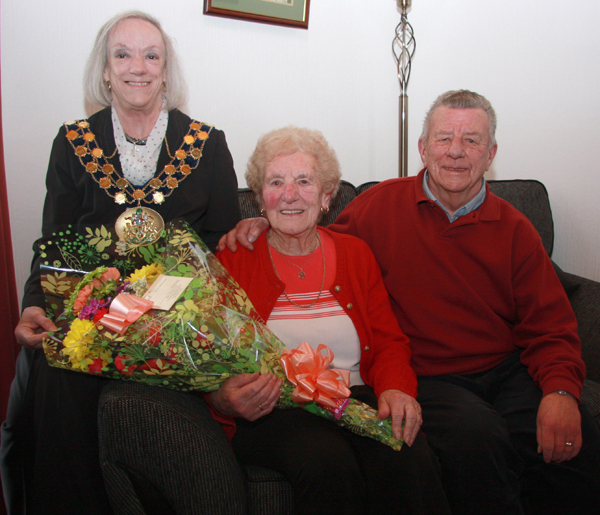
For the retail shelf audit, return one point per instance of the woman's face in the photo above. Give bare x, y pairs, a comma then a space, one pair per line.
136, 66
292, 194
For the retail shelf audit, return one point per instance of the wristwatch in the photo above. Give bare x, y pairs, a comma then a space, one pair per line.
562, 392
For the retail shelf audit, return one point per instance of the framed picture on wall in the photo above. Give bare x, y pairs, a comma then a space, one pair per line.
293, 13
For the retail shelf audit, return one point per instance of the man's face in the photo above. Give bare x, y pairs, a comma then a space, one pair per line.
457, 154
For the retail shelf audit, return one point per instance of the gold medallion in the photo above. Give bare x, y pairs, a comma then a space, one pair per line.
139, 226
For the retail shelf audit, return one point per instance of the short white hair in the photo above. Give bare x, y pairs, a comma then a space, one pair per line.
461, 99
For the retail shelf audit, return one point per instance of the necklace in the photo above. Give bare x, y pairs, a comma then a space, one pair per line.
138, 162
93, 159
133, 141
96, 163
301, 274
277, 274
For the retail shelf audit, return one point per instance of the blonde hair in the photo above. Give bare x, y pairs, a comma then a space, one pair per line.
95, 87
287, 141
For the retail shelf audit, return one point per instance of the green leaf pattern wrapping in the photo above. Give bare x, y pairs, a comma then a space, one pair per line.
211, 333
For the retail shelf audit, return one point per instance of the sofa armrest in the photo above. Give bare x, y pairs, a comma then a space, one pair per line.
160, 445
584, 295
590, 396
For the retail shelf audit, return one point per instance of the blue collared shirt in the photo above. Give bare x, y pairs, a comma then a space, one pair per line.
469, 207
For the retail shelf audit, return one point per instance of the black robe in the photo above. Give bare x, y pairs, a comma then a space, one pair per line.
50, 436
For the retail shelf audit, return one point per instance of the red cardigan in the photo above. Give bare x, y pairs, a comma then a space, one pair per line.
469, 293
359, 288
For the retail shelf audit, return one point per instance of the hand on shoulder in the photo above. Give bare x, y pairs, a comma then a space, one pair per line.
245, 233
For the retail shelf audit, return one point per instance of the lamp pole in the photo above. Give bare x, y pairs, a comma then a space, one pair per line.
403, 47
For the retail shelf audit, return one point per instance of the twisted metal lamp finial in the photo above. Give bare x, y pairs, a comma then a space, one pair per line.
403, 47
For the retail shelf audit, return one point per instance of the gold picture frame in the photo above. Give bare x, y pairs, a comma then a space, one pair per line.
292, 13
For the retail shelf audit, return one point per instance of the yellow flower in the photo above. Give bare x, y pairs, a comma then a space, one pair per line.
148, 272
76, 343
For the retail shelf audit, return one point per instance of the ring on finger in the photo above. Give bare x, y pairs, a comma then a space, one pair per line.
569, 444
260, 407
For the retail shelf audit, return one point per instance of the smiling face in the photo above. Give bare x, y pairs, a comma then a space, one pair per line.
457, 154
136, 66
292, 195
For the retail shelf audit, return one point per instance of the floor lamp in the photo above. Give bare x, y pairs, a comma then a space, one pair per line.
403, 47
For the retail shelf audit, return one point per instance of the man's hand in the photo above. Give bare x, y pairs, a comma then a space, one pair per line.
245, 232
558, 423
401, 406
33, 327
249, 396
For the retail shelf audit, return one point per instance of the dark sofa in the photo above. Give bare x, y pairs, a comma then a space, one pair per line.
157, 457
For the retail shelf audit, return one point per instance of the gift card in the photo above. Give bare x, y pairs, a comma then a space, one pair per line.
165, 291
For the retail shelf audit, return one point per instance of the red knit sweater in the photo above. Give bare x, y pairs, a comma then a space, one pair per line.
468, 293
358, 287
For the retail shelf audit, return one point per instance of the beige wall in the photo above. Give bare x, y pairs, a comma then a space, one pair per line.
536, 60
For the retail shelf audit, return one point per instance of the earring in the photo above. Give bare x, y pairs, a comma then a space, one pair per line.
164, 87
325, 210
109, 85
263, 213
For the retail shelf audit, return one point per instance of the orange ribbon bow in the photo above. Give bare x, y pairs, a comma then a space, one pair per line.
125, 310
308, 370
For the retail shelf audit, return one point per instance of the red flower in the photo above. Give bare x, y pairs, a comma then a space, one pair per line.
126, 370
96, 366
154, 335
99, 314
170, 353
152, 364
204, 342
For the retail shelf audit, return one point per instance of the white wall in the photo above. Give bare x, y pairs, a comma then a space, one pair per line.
536, 60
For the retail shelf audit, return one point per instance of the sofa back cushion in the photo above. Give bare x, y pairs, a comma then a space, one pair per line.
250, 208
531, 198
528, 196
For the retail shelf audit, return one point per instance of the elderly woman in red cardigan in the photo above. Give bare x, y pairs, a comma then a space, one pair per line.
313, 285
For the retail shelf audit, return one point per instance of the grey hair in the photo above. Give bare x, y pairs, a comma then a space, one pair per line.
95, 88
287, 141
461, 99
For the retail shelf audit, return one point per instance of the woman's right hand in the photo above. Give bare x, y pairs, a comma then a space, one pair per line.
248, 396
33, 327
245, 232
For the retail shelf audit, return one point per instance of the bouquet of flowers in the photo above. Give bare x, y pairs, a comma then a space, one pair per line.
200, 330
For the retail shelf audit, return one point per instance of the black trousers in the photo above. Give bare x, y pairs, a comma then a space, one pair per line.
483, 429
49, 457
333, 471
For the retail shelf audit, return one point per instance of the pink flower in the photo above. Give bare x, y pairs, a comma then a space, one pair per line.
82, 298
111, 274
90, 309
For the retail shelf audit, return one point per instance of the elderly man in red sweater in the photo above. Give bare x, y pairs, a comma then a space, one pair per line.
493, 337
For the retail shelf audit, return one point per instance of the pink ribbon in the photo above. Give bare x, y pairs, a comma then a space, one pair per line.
308, 370
125, 310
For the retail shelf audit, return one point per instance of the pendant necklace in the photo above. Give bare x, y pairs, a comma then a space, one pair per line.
277, 274
302, 273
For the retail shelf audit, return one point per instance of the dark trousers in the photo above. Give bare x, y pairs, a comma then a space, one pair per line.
334, 471
49, 458
483, 429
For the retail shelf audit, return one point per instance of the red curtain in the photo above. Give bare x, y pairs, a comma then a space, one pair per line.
9, 307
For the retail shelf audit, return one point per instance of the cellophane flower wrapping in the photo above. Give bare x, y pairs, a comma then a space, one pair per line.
211, 333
